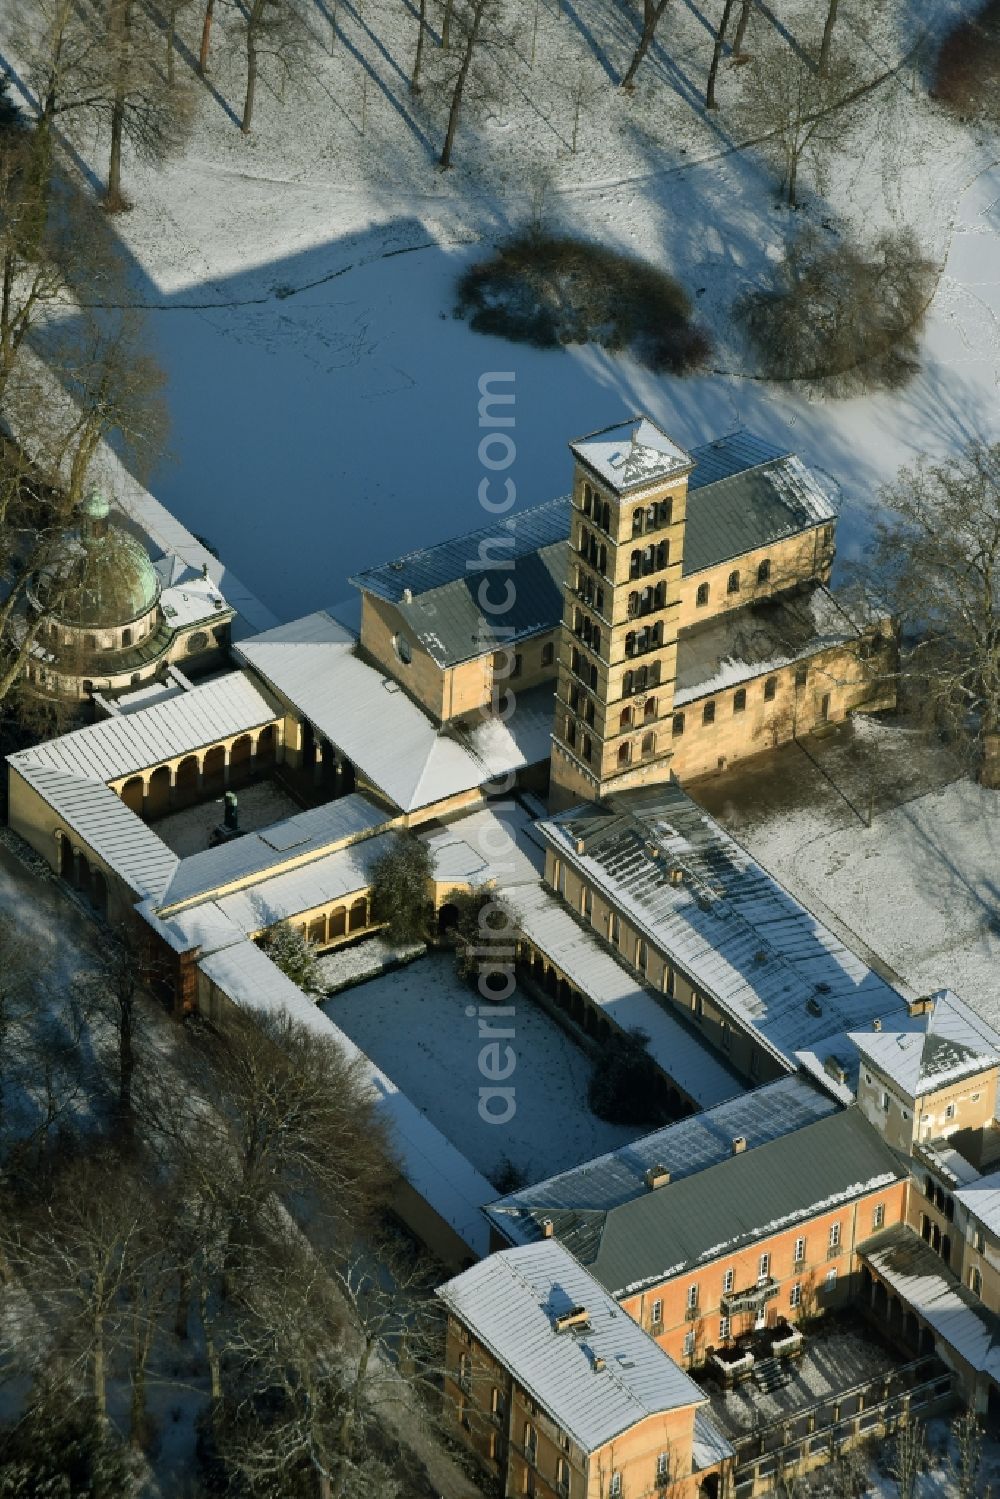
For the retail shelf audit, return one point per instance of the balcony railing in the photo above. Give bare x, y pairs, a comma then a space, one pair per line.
751, 1298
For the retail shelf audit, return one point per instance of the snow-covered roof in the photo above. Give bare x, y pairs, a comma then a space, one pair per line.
187, 595
682, 1149
119, 838
436, 590
677, 1049
303, 837
126, 743
765, 636
929, 1051
741, 938
918, 1275
631, 454
313, 663
745, 494
596, 1380
279, 897
646, 1238
486, 845
982, 1199
438, 1172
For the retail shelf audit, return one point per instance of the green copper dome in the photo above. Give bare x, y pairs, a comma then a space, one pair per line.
106, 578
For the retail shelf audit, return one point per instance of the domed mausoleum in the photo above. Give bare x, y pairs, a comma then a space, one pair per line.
114, 619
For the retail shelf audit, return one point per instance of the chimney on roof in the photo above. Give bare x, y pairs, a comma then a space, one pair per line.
580, 846
548, 1228
577, 1316
922, 1006
657, 1176
739, 1144
407, 595
675, 874
876, 1024
598, 1363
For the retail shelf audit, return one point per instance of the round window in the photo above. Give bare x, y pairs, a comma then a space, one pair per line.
402, 648
197, 642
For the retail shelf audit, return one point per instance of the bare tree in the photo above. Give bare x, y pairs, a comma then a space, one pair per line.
652, 15
934, 564
827, 42
717, 50
206, 37
967, 1436
798, 112
95, 62
273, 30
909, 1458
741, 27
419, 52
478, 26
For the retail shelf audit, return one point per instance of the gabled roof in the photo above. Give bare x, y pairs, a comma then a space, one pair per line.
920, 1277
741, 937
982, 1199
305, 836
745, 494
313, 663
929, 1051
732, 1203
682, 1149
435, 590
511, 1300
631, 454
120, 746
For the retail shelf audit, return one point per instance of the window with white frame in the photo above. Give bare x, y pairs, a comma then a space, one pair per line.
834, 1235
662, 1467
692, 1297
878, 1217
831, 1281
800, 1250
723, 1329
656, 1313
616, 1486
949, 1112
688, 1344
795, 1295
763, 1268
530, 1442
976, 1281
884, 1101
727, 1283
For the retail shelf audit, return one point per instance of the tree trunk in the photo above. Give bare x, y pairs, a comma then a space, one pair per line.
120, 25
183, 1310
126, 1060
206, 37
171, 29
211, 1352
989, 768
478, 11
793, 172
741, 28
446, 24
824, 50
652, 15
247, 119
720, 42
418, 56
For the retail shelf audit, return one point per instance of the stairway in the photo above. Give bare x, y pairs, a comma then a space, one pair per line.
770, 1374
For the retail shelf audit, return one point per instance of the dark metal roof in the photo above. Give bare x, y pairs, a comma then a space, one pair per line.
743, 494
682, 1226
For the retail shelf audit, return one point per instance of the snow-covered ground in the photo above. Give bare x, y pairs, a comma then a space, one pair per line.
920, 887
421, 1026
301, 281
187, 832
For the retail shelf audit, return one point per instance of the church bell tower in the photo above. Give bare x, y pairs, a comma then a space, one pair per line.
621, 597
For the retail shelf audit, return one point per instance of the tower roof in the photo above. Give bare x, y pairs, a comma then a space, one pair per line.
104, 578
632, 454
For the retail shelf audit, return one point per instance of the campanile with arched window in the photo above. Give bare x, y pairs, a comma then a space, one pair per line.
618, 646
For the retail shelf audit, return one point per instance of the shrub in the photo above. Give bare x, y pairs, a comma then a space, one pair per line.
400, 888
842, 311
967, 72
293, 954
550, 290
624, 1085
